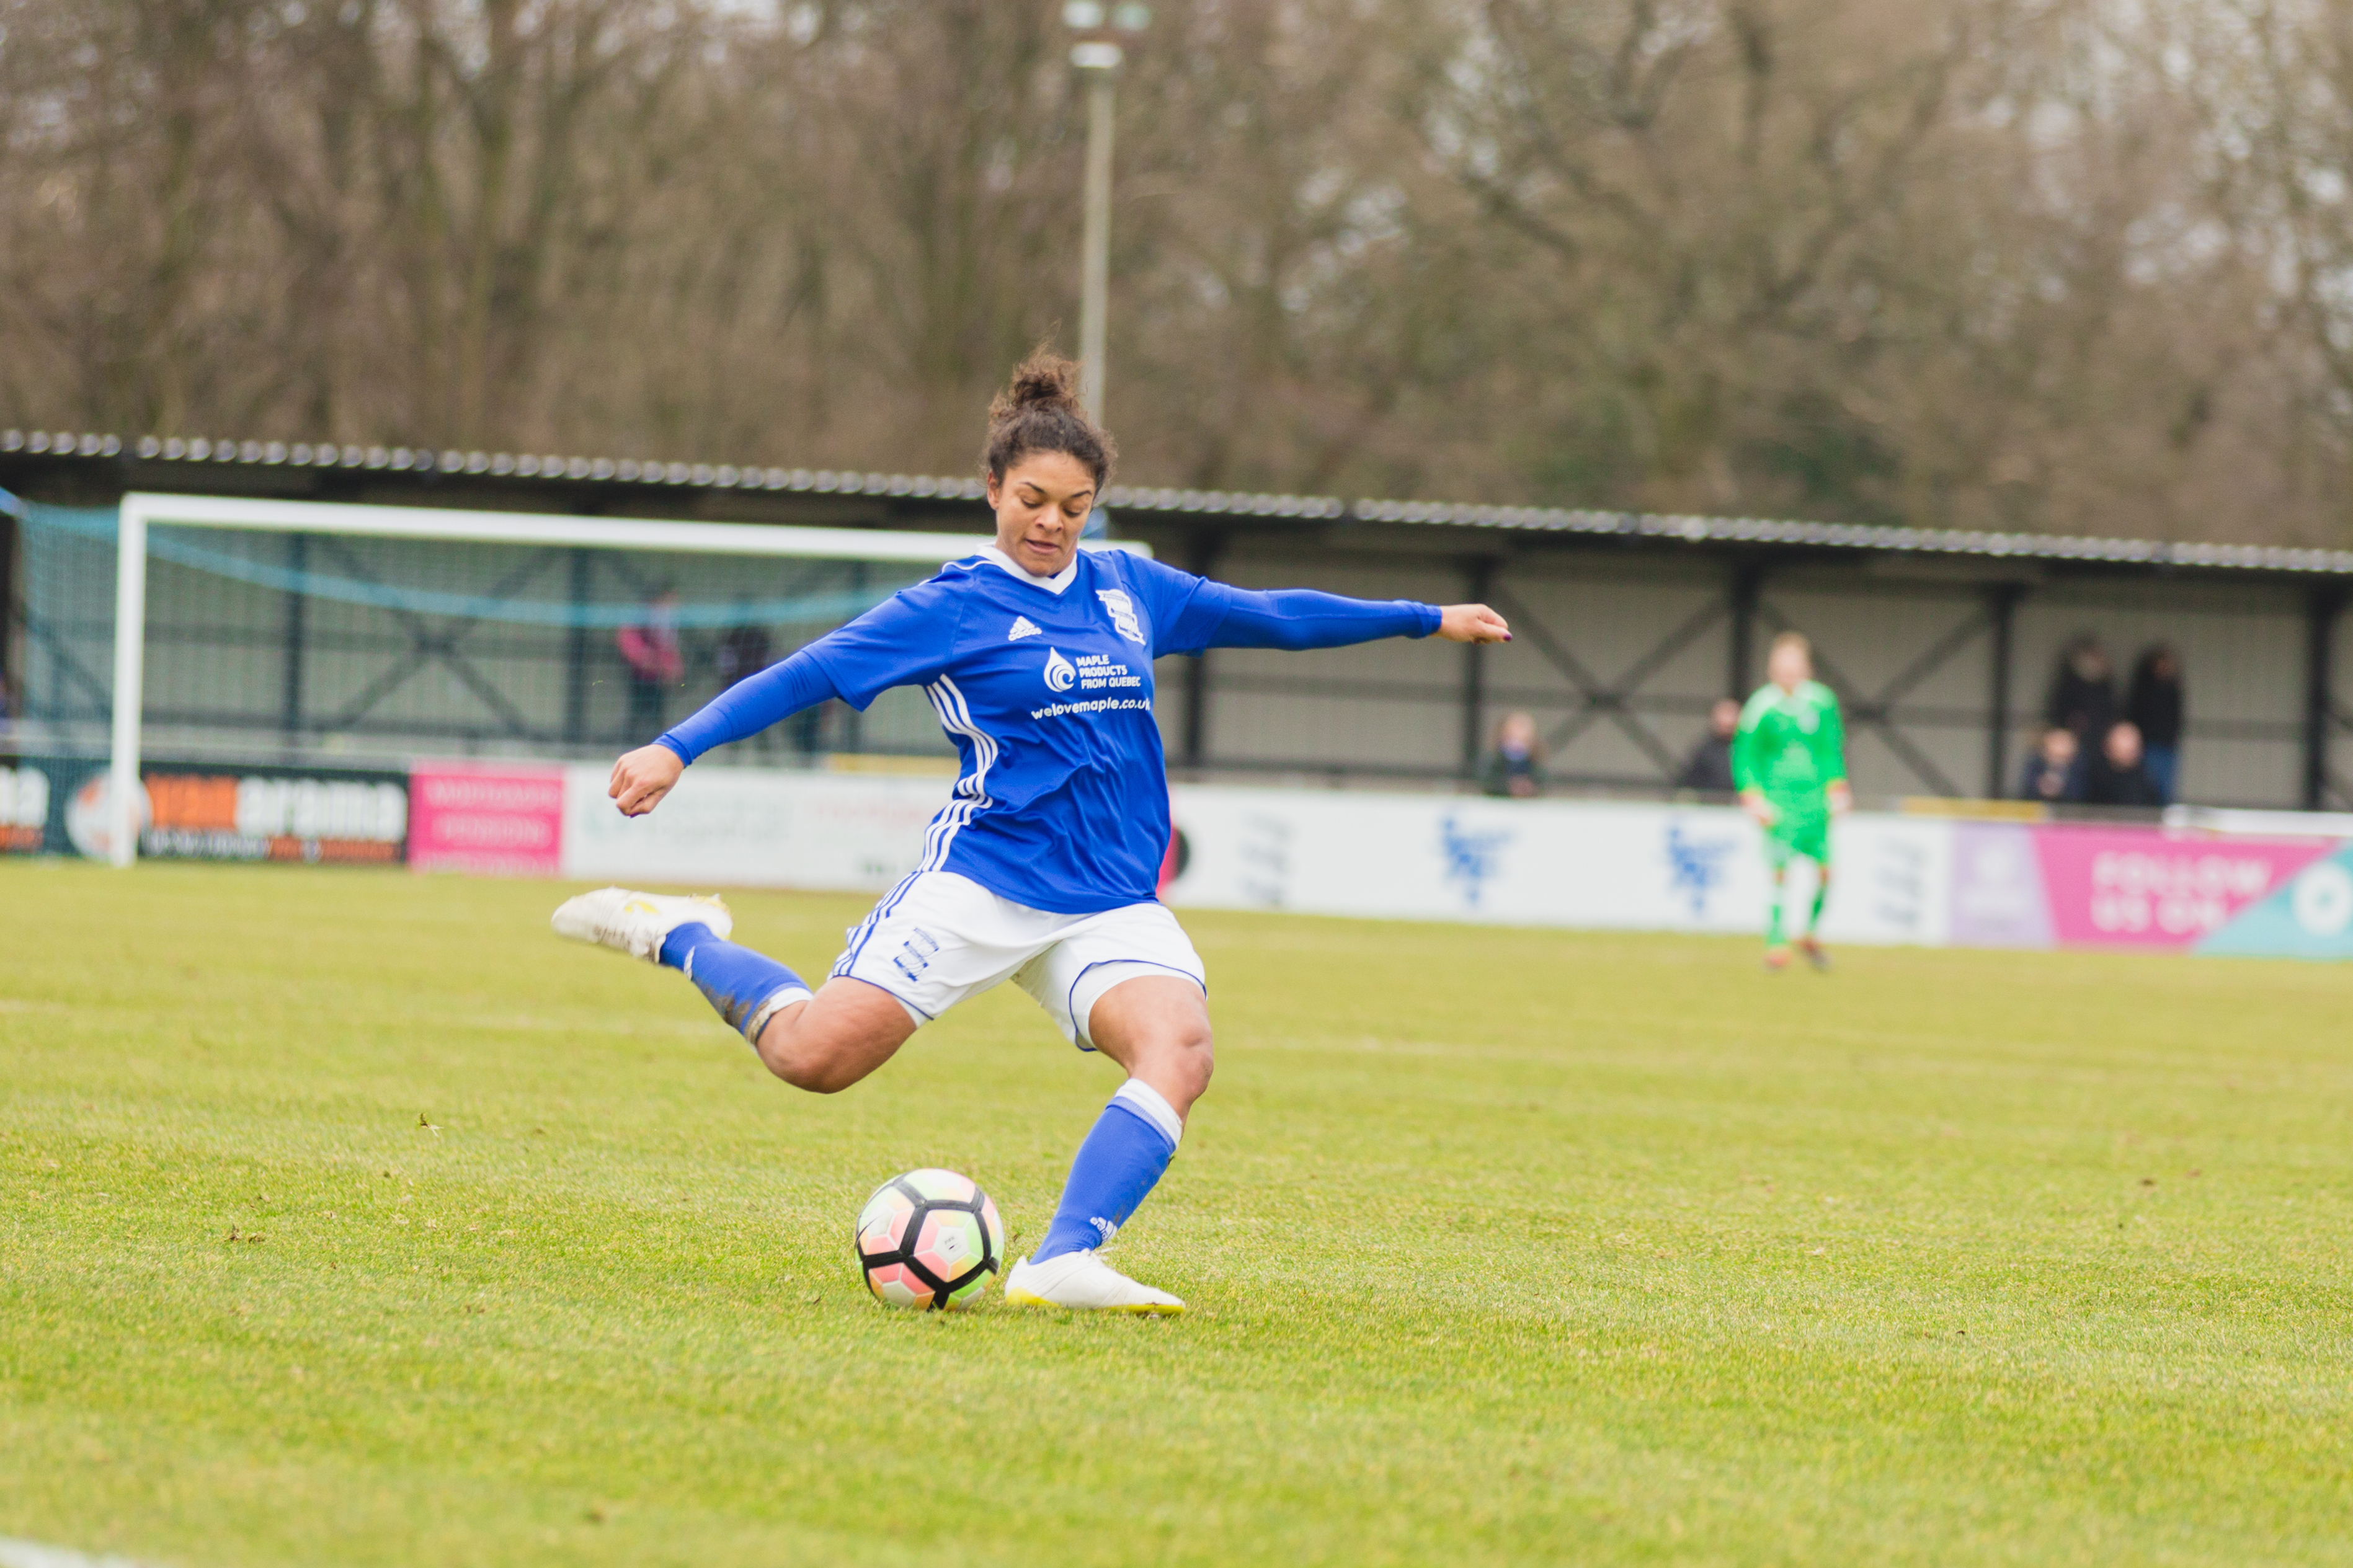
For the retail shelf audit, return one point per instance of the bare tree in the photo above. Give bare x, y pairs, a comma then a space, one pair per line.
1985, 262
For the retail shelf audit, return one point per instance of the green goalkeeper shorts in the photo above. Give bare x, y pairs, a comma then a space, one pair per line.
1796, 834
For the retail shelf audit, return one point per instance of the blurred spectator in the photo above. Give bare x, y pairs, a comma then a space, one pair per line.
2117, 776
744, 652
2054, 774
650, 650
1709, 767
2153, 706
1515, 766
2083, 693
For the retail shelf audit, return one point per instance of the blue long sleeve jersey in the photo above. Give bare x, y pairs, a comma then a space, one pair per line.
1046, 691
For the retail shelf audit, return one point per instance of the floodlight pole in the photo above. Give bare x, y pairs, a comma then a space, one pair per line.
1100, 63
1098, 59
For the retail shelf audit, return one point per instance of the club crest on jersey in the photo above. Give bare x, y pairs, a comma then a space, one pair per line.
1122, 614
1061, 674
1023, 627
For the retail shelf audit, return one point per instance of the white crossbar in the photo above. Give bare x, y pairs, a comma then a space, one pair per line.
534, 528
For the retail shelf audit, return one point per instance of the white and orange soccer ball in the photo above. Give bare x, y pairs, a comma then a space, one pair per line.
930, 1240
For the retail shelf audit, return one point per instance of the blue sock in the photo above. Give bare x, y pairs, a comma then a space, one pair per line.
1117, 1167
746, 987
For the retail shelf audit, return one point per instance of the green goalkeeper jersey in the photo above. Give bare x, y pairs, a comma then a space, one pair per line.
1791, 745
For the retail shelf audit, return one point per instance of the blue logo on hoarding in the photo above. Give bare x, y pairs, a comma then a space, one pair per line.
1471, 858
1695, 866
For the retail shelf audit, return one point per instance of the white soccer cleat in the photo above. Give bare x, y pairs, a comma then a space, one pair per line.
1083, 1282
637, 923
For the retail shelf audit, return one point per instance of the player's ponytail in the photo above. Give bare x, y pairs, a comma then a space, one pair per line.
1039, 411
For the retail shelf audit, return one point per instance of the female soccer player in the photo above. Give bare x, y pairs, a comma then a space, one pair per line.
1788, 762
1042, 868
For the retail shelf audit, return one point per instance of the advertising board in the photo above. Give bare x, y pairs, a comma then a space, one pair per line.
2126, 888
58, 805
747, 827
486, 819
26, 788
2308, 916
314, 815
1558, 863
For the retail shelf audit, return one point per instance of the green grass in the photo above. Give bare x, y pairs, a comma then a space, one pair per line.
1504, 1246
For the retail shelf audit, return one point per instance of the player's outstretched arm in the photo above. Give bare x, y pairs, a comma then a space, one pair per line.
899, 642
1219, 614
643, 777
1473, 622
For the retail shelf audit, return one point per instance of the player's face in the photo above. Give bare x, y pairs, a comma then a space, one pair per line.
1789, 669
1041, 504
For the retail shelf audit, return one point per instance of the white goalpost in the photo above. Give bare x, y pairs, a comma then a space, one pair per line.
418, 568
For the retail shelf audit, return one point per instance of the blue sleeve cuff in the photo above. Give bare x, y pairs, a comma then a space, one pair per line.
677, 745
1432, 617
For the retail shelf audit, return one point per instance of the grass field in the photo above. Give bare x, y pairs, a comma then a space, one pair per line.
351, 1219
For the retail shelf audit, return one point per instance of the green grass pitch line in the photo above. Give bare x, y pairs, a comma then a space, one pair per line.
349, 1218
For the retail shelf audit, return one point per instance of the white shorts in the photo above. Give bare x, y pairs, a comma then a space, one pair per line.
938, 938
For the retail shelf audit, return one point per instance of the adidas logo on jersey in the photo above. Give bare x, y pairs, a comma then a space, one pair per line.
1022, 629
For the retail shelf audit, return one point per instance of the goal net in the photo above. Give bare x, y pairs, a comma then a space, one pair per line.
258, 631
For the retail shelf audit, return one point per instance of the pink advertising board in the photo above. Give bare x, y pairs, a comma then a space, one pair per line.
2122, 887
490, 819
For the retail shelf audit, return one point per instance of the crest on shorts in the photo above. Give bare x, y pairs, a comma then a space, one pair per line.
1122, 612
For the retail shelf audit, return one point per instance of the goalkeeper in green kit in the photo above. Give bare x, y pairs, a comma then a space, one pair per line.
1788, 763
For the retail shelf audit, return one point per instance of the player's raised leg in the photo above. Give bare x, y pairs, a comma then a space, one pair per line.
688, 934
823, 1043
1157, 1027
832, 1041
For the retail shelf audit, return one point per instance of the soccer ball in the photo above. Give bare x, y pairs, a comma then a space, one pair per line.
930, 1240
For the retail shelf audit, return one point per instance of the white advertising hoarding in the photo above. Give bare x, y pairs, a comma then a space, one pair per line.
745, 828
1564, 863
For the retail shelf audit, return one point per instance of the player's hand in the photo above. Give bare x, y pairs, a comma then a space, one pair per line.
643, 777
1842, 799
1471, 623
1760, 810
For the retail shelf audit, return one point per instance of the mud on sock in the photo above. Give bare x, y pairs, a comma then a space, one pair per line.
744, 986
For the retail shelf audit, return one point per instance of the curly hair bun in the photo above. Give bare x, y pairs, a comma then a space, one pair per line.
1043, 380
1039, 411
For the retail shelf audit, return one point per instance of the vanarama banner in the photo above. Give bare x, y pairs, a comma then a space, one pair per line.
312, 815
209, 811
